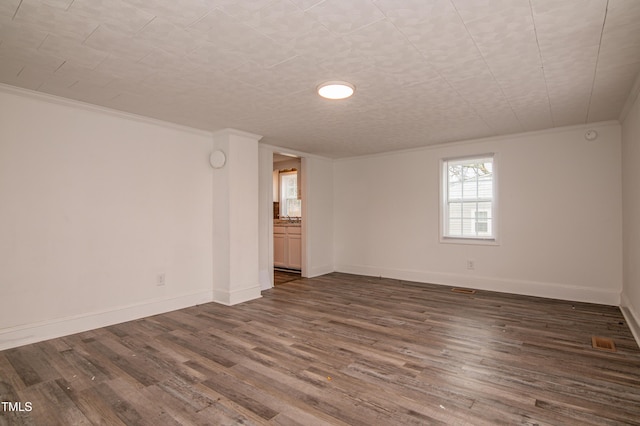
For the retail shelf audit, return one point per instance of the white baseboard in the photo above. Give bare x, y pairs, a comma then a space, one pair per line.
528, 288
230, 298
632, 317
37, 332
319, 270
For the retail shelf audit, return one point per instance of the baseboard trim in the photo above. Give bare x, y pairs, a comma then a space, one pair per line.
527, 288
632, 317
319, 270
37, 332
231, 298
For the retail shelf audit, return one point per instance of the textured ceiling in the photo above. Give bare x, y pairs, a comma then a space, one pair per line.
425, 71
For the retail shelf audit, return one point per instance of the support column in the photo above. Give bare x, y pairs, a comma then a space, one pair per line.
235, 218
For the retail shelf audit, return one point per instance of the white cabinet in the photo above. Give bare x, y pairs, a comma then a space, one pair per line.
287, 247
294, 247
280, 246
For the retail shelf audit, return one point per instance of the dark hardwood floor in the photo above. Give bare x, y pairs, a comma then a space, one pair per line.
281, 277
338, 349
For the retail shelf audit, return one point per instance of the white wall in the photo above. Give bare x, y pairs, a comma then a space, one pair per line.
318, 215
93, 206
236, 218
631, 217
265, 217
559, 217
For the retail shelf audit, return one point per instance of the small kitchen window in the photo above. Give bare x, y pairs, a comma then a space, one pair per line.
290, 203
468, 209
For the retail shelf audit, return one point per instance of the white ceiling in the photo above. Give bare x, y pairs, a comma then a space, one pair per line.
425, 71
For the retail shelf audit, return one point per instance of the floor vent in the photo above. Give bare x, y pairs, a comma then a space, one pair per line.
603, 343
463, 290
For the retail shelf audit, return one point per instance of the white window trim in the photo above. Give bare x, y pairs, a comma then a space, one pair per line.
492, 241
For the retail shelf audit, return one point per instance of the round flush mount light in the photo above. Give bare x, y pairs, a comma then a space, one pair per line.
336, 89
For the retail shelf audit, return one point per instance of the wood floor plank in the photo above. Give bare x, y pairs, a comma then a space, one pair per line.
240, 393
92, 403
126, 361
9, 394
9, 374
53, 393
310, 396
287, 388
281, 277
25, 364
338, 349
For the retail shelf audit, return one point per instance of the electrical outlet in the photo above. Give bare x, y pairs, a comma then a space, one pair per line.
471, 264
161, 279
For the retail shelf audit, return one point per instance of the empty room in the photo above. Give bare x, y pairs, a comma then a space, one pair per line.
319, 212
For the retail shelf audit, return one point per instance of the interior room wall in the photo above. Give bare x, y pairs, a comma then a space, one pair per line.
631, 216
318, 211
560, 228
265, 217
236, 270
95, 206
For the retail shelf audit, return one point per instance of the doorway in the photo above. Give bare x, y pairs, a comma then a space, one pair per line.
287, 217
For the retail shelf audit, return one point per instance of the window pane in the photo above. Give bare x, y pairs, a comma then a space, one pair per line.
483, 228
455, 227
455, 173
470, 188
294, 208
469, 210
455, 210
485, 187
289, 185
455, 182
485, 207
468, 229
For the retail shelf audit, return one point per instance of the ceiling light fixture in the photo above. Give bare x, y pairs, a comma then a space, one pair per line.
336, 90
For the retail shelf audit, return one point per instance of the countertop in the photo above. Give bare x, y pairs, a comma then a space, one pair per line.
278, 222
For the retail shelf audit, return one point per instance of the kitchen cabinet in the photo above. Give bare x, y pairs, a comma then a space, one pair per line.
294, 248
279, 247
287, 247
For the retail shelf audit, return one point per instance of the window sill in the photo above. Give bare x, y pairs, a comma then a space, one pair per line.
470, 241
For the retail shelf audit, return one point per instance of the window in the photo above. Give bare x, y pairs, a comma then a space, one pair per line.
290, 204
468, 202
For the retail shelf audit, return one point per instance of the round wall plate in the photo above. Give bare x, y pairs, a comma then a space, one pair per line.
217, 159
591, 135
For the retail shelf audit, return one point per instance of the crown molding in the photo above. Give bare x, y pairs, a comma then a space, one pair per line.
497, 138
235, 132
282, 150
72, 103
